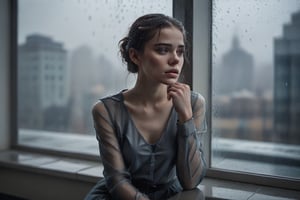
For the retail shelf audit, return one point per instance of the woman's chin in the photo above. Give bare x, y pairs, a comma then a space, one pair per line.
170, 82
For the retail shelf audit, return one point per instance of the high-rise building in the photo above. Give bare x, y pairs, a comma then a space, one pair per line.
82, 76
287, 82
42, 79
236, 71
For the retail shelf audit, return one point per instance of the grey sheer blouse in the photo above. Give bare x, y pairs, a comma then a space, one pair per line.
135, 169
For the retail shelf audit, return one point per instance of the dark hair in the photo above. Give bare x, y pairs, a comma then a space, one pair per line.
143, 30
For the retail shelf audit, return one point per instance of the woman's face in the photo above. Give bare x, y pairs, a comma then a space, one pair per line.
163, 57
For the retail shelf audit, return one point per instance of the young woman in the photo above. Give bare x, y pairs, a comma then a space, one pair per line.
149, 135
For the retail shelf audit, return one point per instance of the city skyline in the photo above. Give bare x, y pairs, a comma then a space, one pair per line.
255, 23
101, 25
98, 24
91, 55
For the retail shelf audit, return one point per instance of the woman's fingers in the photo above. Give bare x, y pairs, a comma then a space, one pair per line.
178, 90
180, 94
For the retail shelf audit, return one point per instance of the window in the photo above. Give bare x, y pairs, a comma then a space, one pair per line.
255, 87
71, 48
249, 79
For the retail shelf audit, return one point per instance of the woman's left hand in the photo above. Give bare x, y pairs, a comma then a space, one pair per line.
180, 94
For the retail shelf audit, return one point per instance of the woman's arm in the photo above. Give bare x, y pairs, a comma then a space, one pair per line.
116, 176
190, 160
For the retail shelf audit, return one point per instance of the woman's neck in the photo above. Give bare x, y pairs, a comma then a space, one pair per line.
147, 95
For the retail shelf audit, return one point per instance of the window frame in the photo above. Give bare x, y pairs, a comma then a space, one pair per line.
13, 72
197, 18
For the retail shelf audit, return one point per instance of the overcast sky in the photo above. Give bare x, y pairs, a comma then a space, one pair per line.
100, 24
256, 23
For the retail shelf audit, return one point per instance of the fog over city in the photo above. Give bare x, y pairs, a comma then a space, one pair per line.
99, 24
255, 22
96, 24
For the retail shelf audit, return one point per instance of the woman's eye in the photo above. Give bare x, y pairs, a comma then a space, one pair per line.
162, 50
180, 52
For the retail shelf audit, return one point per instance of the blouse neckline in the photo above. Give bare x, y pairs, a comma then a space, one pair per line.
164, 131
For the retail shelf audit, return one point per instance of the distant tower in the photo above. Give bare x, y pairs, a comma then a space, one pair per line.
82, 65
42, 79
287, 82
236, 71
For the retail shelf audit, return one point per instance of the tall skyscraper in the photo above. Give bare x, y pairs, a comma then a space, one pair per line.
42, 79
236, 71
82, 76
287, 82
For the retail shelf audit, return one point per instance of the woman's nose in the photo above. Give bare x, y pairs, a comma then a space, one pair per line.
174, 58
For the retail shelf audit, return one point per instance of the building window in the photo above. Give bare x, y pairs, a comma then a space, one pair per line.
77, 42
255, 87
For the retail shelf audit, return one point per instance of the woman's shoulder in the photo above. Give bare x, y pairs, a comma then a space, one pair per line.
197, 101
108, 102
113, 97
196, 97
117, 97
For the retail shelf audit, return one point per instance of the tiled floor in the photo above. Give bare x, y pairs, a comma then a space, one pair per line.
90, 171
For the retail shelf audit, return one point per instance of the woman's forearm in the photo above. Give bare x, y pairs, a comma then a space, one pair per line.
190, 163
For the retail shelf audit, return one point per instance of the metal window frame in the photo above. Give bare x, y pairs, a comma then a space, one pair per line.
13, 72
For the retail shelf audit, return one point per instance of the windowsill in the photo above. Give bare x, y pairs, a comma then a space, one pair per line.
60, 142
75, 169
91, 171
229, 154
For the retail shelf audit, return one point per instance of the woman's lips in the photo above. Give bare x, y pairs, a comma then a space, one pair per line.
173, 73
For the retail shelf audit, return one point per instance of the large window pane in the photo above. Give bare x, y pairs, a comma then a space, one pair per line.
67, 59
256, 86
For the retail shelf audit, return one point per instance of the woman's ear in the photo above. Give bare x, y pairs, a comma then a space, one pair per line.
134, 56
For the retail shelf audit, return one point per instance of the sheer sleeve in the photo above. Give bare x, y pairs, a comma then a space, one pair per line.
190, 164
116, 176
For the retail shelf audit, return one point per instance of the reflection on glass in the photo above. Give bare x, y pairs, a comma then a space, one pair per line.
256, 86
68, 58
